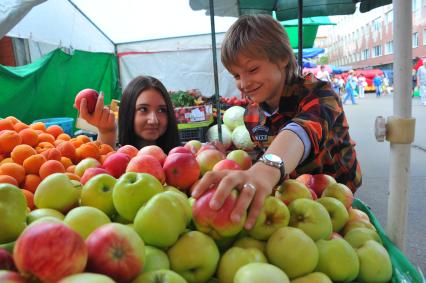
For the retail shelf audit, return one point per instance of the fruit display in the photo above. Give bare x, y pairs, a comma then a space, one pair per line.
75, 210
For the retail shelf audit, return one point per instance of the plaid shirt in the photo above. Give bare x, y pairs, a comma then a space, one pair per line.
318, 110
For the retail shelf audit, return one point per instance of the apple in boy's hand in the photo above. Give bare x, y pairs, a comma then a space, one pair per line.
91, 97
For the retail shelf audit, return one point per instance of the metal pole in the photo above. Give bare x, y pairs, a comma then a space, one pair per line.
300, 35
399, 171
216, 80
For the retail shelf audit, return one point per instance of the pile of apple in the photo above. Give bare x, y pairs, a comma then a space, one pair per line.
128, 217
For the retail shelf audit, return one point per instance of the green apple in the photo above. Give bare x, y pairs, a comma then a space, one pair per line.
155, 259
85, 219
358, 236
311, 217
44, 212
159, 276
249, 242
86, 277
183, 201
293, 251
233, 259
162, 219
13, 211
314, 277
132, 191
340, 192
259, 272
194, 256
97, 192
375, 263
56, 191
338, 213
292, 189
353, 224
337, 259
273, 215
84, 164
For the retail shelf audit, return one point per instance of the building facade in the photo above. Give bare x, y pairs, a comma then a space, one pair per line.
365, 40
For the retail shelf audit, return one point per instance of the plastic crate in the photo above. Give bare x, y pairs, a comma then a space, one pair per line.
193, 134
403, 270
65, 123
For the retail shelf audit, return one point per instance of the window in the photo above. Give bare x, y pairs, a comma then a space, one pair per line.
365, 54
389, 47
415, 39
415, 4
389, 17
377, 25
424, 37
377, 51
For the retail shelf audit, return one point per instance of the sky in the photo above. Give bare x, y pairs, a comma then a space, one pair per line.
131, 20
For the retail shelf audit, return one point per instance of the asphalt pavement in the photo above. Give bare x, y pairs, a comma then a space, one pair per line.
374, 159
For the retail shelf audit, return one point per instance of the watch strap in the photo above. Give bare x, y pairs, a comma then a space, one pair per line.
280, 166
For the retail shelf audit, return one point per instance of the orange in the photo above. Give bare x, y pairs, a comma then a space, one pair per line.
87, 150
12, 119
8, 179
38, 126
31, 182
52, 154
54, 130
6, 125
45, 137
64, 137
105, 148
43, 146
29, 196
49, 167
22, 152
29, 136
15, 170
73, 176
33, 163
66, 162
67, 149
20, 126
8, 140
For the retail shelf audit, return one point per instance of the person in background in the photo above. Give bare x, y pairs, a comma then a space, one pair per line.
335, 84
421, 82
323, 75
377, 82
418, 63
350, 88
297, 123
362, 83
146, 116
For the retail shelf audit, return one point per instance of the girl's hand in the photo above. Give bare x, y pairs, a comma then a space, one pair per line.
254, 188
102, 118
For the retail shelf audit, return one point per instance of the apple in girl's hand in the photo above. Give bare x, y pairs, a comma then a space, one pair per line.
116, 163
182, 170
117, 251
217, 223
154, 151
241, 157
50, 251
91, 97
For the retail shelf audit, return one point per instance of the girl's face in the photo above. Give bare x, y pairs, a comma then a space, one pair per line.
260, 79
150, 115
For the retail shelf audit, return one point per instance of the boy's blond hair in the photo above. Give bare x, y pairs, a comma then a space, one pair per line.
259, 36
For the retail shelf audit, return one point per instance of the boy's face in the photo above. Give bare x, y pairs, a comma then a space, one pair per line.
260, 79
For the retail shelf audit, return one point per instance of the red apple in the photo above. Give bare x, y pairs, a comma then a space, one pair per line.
155, 151
6, 261
314, 195
182, 170
292, 189
316, 182
179, 149
116, 163
147, 164
206, 146
50, 251
341, 192
117, 251
216, 223
91, 172
128, 149
208, 159
226, 164
357, 214
91, 97
11, 277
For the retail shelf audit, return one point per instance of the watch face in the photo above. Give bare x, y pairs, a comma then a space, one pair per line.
272, 157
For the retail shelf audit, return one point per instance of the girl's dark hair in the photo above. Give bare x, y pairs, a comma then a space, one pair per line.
126, 121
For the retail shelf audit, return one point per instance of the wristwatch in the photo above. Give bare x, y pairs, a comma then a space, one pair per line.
274, 161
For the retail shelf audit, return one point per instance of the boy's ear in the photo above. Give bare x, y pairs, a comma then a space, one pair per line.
283, 63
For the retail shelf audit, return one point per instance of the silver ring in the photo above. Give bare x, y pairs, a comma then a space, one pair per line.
249, 186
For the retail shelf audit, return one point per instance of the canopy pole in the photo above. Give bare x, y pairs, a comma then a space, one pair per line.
216, 80
300, 35
399, 170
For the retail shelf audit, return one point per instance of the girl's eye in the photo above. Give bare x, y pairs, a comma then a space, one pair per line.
252, 70
162, 110
142, 109
236, 77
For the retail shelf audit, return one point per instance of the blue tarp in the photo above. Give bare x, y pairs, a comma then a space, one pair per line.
310, 52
